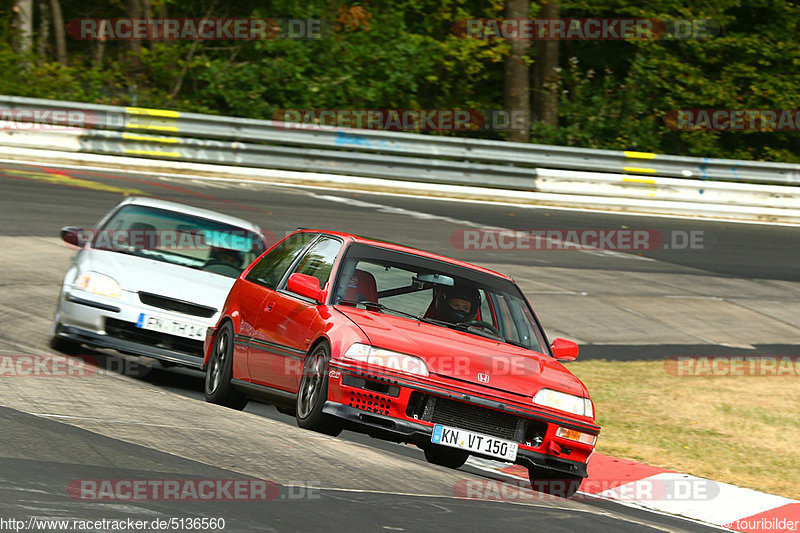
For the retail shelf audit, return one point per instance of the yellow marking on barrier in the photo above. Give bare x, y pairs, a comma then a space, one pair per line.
64, 179
149, 138
640, 155
640, 180
640, 170
151, 119
135, 124
153, 153
152, 112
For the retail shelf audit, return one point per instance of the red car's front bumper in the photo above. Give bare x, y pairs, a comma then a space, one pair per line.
403, 408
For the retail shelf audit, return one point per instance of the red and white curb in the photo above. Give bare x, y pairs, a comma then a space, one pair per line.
665, 491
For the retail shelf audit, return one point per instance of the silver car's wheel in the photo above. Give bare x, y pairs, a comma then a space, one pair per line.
65, 346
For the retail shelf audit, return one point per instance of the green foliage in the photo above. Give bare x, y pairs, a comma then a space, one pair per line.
379, 54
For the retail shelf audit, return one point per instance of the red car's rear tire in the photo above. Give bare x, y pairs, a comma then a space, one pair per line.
218, 388
313, 393
444, 456
554, 483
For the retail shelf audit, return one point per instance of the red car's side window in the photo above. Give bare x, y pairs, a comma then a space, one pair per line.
318, 260
270, 269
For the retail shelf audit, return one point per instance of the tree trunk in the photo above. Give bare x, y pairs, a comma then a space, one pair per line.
147, 9
59, 32
42, 40
133, 10
99, 52
545, 92
23, 23
516, 94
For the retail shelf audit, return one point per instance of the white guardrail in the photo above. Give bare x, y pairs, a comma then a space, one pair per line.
171, 141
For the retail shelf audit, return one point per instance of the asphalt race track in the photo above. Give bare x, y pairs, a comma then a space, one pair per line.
738, 294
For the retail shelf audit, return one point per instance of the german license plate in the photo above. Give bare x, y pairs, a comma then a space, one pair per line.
474, 442
172, 327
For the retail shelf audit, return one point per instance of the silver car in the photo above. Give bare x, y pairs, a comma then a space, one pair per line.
151, 278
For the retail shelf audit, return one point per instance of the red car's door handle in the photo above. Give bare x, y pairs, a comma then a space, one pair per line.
270, 305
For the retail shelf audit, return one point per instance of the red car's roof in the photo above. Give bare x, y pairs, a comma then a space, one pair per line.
408, 249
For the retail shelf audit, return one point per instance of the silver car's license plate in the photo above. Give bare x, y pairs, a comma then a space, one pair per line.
172, 327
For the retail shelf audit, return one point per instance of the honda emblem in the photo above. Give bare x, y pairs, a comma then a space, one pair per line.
483, 378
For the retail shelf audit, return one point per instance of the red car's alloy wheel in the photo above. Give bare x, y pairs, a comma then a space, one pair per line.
309, 392
314, 392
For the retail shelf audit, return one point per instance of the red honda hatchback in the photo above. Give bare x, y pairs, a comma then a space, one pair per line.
410, 346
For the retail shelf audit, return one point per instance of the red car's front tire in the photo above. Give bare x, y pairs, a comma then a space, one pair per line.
444, 456
313, 393
554, 483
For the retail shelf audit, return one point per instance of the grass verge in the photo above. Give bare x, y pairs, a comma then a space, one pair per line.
741, 430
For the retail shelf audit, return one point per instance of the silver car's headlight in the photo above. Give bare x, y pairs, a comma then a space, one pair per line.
97, 283
387, 358
562, 401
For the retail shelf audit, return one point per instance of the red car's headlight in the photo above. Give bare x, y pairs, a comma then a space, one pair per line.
565, 402
387, 358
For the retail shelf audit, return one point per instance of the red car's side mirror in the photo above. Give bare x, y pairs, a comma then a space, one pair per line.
564, 350
71, 236
305, 285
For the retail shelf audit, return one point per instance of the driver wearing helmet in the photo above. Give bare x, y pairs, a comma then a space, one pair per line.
457, 304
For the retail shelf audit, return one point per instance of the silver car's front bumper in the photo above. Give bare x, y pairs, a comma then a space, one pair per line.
112, 323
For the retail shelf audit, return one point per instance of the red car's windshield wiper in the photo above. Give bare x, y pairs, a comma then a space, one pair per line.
381, 307
487, 335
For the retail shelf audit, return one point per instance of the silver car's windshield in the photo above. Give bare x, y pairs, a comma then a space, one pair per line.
180, 239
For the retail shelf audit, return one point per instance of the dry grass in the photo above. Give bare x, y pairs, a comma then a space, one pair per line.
739, 430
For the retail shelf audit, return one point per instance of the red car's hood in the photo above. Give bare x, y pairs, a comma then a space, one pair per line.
463, 356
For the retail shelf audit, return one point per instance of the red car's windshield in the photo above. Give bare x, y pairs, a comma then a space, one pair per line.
420, 288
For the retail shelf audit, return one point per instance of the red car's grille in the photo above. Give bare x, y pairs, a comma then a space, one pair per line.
468, 416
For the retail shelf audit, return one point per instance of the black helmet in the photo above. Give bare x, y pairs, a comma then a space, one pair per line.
444, 311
